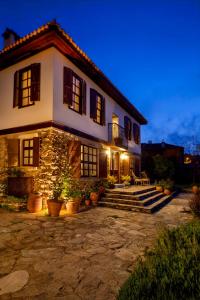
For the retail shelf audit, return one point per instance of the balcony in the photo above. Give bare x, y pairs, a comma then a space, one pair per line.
116, 135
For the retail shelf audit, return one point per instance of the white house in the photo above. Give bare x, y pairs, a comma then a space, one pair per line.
51, 93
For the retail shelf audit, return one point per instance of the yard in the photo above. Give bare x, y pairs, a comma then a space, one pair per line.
87, 256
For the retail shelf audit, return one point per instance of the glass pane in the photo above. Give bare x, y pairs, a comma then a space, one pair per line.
77, 91
76, 98
26, 143
24, 93
25, 161
85, 157
81, 172
81, 156
90, 167
31, 143
85, 166
94, 167
77, 82
90, 157
74, 80
31, 153
85, 149
29, 82
90, 150
94, 158
26, 153
24, 84
31, 161
29, 73
85, 173
76, 107
24, 75
94, 151
74, 88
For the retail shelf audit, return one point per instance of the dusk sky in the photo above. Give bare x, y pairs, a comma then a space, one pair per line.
149, 49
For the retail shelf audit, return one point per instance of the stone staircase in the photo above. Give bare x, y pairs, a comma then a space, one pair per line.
146, 200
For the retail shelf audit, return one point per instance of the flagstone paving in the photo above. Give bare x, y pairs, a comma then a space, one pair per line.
87, 256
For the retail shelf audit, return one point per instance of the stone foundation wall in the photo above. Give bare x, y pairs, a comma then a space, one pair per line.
3, 166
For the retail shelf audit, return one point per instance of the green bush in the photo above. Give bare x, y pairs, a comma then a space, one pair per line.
171, 270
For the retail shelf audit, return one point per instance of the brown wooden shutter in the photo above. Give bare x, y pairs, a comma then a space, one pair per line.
74, 153
103, 163
125, 167
36, 151
103, 112
16, 92
13, 152
93, 104
67, 86
137, 166
136, 133
84, 97
35, 82
126, 131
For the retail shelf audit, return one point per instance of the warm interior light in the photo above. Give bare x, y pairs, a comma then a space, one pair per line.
123, 156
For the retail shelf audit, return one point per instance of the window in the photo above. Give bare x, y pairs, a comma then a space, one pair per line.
88, 161
26, 86
99, 110
136, 133
74, 91
28, 152
97, 107
76, 94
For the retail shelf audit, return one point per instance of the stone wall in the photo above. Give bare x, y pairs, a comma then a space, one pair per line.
3, 165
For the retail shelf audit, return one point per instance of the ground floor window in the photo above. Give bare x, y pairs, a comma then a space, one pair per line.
28, 152
88, 161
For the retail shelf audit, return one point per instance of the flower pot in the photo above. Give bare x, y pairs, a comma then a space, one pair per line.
195, 189
34, 203
73, 205
54, 207
159, 188
87, 202
94, 198
167, 191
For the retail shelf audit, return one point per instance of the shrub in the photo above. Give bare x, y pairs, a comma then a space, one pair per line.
194, 204
171, 270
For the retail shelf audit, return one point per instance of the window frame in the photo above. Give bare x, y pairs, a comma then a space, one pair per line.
100, 110
74, 75
88, 162
21, 71
25, 149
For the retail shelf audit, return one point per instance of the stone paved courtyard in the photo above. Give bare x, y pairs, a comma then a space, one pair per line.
87, 256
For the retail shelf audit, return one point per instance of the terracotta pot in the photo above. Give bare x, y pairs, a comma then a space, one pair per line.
34, 203
94, 198
195, 189
159, 188
87, 202
167, 192
54, 207
73, 205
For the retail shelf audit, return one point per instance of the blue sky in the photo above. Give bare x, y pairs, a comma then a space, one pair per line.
149, 49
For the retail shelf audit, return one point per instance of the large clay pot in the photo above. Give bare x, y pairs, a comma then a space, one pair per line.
159, 188
73, 205
94, 198
34, 203
87, 202
195, 189
54, 207
167, 191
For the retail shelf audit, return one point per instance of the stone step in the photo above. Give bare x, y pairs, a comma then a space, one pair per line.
151, 208
131, 197
137, 202
124, 192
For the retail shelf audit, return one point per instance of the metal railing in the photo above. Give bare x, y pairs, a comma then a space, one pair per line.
116, 135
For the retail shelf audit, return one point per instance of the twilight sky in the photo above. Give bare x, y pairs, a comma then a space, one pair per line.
149, 49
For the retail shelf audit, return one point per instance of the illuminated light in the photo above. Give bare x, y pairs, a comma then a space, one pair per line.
108, 152
123, 156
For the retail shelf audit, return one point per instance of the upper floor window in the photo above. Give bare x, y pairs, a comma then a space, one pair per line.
26, 86
97, 107
74, 91
136, 133
127, 127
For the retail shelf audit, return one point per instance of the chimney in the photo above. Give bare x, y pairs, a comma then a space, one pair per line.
10, 37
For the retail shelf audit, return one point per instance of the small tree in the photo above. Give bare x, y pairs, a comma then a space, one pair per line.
163, 167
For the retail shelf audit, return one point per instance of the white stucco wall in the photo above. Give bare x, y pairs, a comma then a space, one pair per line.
64, 115
42, 110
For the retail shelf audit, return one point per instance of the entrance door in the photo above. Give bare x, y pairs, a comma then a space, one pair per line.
114, 166
115, 127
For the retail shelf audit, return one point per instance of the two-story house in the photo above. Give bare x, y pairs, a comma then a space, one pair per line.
55, 104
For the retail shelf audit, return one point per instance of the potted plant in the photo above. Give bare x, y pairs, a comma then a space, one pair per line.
34, 203
126, 179
73, 202
111, 181
55, 204
94, 195
168, 187
195, 189
160, 186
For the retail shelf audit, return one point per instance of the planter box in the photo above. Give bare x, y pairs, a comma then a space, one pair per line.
20, 186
